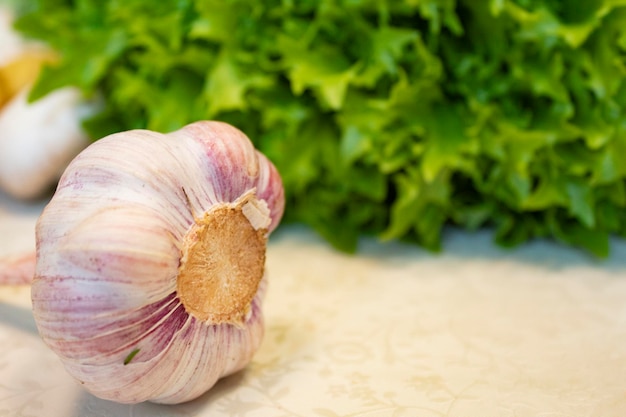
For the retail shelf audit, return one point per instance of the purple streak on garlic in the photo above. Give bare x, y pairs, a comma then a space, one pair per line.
150, 261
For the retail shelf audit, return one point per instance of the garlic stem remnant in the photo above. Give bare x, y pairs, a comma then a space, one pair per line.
150, 261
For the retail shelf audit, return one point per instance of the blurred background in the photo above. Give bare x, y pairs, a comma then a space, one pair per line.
387, 118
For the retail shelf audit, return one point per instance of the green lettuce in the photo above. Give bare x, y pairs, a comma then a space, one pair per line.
394, 118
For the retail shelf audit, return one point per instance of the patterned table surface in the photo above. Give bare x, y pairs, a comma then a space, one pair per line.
393, 331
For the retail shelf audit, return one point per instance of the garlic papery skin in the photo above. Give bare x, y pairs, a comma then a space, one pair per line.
150, 261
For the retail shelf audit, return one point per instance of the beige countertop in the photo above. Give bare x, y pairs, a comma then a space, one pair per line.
393, 331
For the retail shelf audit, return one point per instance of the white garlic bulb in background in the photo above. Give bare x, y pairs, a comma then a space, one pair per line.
150, 261
38, 140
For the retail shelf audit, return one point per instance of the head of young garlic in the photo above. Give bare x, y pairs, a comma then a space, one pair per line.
38, 139
150, 261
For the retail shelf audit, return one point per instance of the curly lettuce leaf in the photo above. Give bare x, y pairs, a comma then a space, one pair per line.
393, 118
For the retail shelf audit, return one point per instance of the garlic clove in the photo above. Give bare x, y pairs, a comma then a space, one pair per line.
17, 269
150, 261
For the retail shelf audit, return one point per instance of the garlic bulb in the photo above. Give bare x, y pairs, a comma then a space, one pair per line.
150, 261
38, 140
